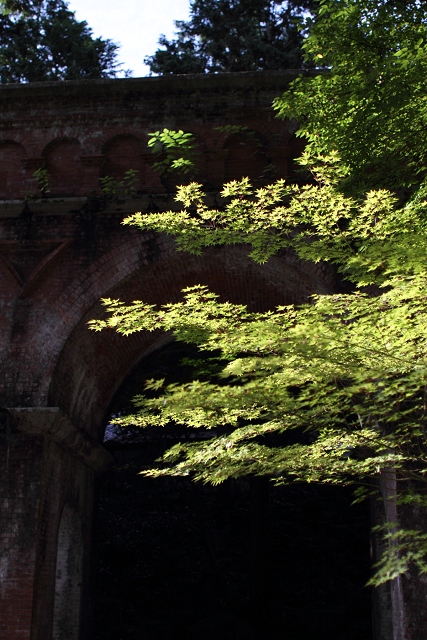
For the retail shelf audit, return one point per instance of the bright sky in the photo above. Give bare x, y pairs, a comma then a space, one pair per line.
135, 24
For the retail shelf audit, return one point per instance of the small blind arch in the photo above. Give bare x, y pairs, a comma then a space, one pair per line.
122, 153
247, 156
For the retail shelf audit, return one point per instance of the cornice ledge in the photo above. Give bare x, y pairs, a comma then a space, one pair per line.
56, 425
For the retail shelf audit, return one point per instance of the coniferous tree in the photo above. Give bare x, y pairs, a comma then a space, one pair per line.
234, 35
15, 6
42, 40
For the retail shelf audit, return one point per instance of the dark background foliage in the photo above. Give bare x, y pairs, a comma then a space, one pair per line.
44, 41
234, 35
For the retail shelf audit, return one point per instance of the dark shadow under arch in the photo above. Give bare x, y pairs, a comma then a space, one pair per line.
243, 559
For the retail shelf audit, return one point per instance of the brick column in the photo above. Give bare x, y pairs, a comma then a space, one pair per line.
92, 165
216, 166
21, 463
46, 463
152, 178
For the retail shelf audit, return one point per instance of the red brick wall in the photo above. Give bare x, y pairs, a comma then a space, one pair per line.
59, 255
80, 130
20, 464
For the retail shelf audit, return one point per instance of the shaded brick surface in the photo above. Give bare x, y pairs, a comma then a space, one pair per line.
60, 254
61, 251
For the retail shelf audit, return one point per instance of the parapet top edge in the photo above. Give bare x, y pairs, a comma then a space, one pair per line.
155, 82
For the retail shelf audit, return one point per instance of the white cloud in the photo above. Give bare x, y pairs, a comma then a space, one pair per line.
135, 24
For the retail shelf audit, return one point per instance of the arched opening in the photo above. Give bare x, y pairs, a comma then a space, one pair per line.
247, 157
11, 170
122, 154
68, 577
246, 559
157, 569
64, 167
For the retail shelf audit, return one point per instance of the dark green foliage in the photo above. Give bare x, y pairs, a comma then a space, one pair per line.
234, 35
46, 42
370, 106
15, 6
348, 369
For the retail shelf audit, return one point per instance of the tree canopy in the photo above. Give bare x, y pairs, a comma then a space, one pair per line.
234, 35
42, 40
347, 372
370, 104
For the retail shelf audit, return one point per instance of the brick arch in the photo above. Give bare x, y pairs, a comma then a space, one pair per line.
124, 152
42, 142
12, 172
22, 138
59, 319
109, 133
91, 366
208, 136
221, 136
64, 166
118, 135
247, 156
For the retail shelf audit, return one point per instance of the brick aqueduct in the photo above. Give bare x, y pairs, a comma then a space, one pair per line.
59, 255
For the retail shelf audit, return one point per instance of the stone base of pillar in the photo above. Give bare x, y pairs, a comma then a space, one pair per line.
48, 467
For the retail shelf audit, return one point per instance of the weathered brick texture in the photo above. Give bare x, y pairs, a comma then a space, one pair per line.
80, 131
21, 462
60, 253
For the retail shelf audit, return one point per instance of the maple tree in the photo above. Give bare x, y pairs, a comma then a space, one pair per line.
348, 372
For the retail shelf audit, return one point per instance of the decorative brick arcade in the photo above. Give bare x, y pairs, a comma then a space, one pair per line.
59, 255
